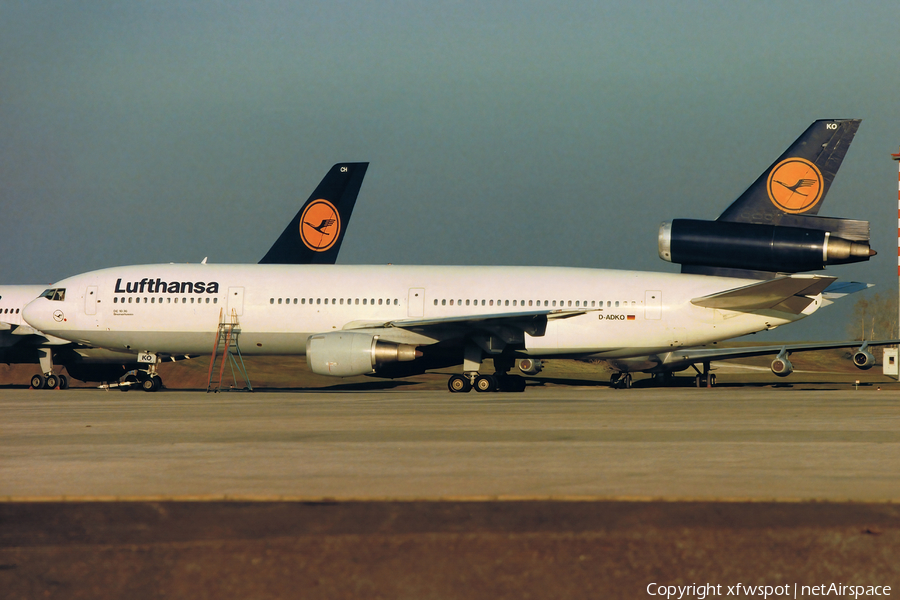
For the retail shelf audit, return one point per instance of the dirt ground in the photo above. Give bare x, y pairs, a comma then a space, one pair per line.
470, 550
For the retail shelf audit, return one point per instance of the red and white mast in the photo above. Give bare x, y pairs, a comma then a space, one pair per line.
896, 157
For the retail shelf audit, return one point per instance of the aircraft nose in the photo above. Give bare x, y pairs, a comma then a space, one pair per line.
40, 315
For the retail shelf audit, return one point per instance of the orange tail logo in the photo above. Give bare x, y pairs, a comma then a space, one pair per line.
320, 225
795, 185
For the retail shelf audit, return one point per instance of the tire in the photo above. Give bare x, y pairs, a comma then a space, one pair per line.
37, 381
485, 383
458, 384
51, 382
148, 385
63, 382
158, 380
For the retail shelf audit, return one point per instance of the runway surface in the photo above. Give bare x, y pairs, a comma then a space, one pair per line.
758, 443
556, 492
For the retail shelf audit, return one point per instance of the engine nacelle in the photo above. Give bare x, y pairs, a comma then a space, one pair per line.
529, 366
347, 353
781, 366
863, 360
756, 247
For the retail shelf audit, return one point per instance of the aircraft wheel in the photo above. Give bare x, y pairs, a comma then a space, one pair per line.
51, 382
614, 379
458, 384
627, 381
63, 382
37, 381
712, 380
148, 385
485, 383
158, 380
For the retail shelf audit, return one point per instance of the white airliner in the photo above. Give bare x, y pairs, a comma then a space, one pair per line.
394, 321
313, 236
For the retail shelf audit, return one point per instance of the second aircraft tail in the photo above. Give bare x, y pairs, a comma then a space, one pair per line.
315, 234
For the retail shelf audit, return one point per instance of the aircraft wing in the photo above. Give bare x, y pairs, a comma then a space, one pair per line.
532, 322
791, 294
688, 356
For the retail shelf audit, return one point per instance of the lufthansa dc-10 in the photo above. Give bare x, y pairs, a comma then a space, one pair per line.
741, 273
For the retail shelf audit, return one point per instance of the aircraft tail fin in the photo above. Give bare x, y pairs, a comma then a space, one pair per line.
796, 183
315, 234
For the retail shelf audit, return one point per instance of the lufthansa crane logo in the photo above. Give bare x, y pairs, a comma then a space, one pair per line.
795, 185
320, 225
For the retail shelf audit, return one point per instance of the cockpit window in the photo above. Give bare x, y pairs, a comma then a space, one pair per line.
56, 294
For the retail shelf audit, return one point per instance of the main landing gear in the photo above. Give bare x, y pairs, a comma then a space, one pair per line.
498, 382
47, 380
621, 381
50, 381
704, 378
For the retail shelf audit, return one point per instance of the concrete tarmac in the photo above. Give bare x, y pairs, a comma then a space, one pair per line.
552, 493
758, 443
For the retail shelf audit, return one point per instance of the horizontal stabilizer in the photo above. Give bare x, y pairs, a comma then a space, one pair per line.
839, 289
784, 294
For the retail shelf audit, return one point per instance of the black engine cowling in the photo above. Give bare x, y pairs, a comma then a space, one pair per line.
755, 246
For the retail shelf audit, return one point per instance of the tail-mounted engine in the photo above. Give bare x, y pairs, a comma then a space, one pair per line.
759, 247
344, 354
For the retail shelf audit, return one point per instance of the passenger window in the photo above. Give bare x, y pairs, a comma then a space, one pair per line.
617, 304
379, 302
492, 302
279, 301
506, 303
467, 303
451, 302
364, 301
444, 302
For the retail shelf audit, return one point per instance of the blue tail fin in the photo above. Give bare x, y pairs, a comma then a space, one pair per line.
796, 183
315, 234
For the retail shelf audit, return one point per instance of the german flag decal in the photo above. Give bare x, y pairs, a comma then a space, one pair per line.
630, 317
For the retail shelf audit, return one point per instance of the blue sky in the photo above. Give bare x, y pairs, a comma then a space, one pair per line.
521, 133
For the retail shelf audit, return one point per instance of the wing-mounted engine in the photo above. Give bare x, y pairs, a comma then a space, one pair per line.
863, 359
781, 366
345, 354
760, 247
530, 366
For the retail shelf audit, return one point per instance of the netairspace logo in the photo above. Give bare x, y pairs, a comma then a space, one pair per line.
708, 590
